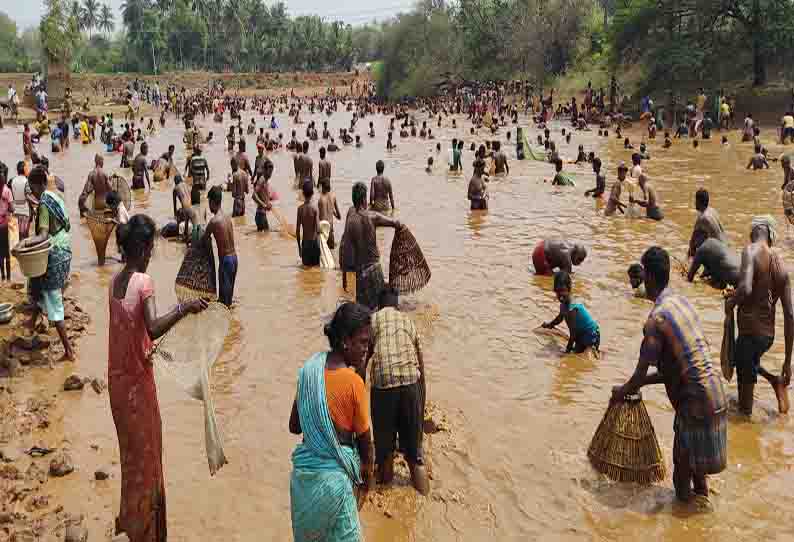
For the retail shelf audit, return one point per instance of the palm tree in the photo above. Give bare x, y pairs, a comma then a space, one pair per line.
132, 13
107, 22
90, 15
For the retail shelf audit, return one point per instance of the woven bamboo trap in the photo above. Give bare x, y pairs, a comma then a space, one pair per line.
101, 227
408, 269
196, 276
624, 447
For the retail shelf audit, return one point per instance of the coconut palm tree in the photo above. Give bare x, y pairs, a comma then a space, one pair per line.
90, 15
107, 21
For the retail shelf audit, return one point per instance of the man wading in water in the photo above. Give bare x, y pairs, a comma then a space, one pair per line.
139, 170
675, 344
200, 172
381, 196
97, 183
707, 225
763, 280
222, 229
359, 250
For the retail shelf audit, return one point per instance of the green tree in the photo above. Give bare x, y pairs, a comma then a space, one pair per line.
107, 21
90, 15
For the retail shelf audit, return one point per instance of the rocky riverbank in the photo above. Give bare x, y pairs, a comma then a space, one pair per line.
33, 451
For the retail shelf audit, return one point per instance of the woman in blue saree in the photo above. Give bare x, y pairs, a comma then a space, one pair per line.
52, 222
332, 469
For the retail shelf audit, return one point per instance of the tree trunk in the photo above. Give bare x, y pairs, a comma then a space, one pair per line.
759, 63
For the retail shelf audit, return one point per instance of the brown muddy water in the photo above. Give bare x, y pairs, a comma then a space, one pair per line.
513, 466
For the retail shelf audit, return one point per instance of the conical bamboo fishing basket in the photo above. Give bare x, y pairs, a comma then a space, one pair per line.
122, 188
408, 269
196, 276
101, 227
624, 446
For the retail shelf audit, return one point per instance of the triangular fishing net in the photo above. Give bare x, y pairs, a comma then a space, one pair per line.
186, 355
101, 226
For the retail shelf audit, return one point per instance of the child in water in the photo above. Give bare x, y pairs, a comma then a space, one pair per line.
584, 331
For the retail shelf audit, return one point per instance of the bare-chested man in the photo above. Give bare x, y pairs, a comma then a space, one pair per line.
763, 281
307, 228
140, 170
551, 254
478, 192
720, 264
323, 169
758, 160
242, 159
381, 197
329, 209
261, 196
185, 213
707, 225
239, 188
650, 203
359, 252
500, 159
222, 228
98, 184
614, 203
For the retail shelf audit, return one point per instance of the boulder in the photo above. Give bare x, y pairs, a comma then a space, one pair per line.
61, 465
73, 383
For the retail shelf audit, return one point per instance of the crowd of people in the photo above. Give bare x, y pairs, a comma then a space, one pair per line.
349, 437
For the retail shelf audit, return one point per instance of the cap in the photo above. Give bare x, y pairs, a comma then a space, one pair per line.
622, 165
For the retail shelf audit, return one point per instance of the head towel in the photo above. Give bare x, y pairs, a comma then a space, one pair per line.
769, 222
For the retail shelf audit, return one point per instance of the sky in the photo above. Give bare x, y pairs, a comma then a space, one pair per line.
28, 12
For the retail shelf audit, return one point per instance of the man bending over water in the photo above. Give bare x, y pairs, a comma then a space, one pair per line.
720, 264
550, 255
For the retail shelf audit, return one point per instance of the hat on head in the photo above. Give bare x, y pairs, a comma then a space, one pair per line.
622, 165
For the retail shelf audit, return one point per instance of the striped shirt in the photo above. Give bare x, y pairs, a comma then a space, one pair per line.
674, 343
396, 346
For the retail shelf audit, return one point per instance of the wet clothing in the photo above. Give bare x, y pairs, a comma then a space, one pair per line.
701, 444
227, 275
396, 346
747, 356
539, 261
310, 252
654, 213
585, 330
238, 206
261, 219
398, 412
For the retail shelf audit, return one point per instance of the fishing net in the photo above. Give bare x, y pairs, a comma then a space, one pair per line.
326, 256
408, 269
728, 349
196, 276
101, 227
624, 446
186, 355
122, 188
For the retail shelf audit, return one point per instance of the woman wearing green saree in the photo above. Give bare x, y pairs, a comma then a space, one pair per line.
52, 222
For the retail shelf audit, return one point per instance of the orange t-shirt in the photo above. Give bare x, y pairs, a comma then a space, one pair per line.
347, 399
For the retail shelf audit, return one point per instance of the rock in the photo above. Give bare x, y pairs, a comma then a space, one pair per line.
31, 343
9, 472
36, 474
39, 502
61, 465
76, 533
98, 385
9, 455
102, 473
73, 383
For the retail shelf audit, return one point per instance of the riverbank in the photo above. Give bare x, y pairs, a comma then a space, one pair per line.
35, 451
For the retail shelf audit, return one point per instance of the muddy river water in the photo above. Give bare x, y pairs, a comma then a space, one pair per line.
521, 413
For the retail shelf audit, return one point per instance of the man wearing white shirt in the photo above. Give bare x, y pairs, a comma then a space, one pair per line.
20, 190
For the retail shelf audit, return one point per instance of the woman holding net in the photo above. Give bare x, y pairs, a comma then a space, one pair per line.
134, 324
333, 466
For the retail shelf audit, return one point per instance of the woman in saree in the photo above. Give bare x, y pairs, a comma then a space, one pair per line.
52, 222
134, 324
332, 469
